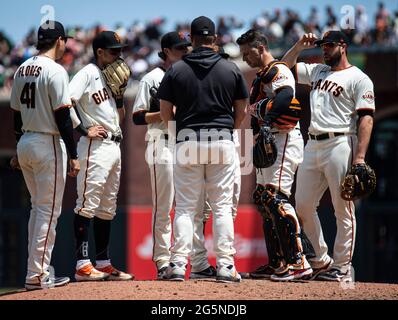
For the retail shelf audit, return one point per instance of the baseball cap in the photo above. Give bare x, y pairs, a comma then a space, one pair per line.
51, 30
174, 39
203, 26
107, 40
333, 36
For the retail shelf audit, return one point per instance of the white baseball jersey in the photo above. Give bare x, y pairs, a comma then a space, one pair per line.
100, 160
95, 103
40, 87
151, 79
335, 96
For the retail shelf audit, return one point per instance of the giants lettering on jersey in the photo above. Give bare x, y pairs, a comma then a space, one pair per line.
29, 71
100, 96
326, 85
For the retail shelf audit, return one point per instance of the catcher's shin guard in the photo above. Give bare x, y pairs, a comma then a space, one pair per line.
270, 234
286, 223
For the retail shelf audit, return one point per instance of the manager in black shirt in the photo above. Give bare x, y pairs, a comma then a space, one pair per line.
210, 96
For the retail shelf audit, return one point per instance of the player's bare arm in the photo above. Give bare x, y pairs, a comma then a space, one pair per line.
306, 42
240, 112
166, 111
364, 132
153, 117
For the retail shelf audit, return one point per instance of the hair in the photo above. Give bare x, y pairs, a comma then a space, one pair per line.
162, 55
203, 40
46, 44
253, 38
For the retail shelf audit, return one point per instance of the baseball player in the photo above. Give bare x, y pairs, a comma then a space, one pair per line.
280, 224
341, 96
204, 88
159, 156
40, 100
100, 160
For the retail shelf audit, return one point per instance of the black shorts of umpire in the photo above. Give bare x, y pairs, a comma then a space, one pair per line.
286, 225
275, 254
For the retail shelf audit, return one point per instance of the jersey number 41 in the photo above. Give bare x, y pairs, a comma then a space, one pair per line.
28, 95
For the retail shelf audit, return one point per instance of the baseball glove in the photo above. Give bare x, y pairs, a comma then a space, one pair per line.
359, 182
264, 149
154, 103
116, 76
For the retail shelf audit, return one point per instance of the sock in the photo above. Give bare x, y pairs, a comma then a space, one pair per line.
81, 226
102, 232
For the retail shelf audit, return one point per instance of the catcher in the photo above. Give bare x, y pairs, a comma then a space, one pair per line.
277, 153
97, 93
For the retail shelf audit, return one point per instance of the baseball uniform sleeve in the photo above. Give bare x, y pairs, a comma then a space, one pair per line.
284, 78
15, 102
58, 90
78, 85
165, 91
303, 72
141, 102
364, 95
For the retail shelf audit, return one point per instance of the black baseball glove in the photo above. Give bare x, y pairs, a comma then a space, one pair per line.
359, 182
264, 149
154, 103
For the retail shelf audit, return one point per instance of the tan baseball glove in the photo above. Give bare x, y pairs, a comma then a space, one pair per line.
116, 76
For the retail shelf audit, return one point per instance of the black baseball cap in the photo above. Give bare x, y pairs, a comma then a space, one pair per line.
174, 39
203, 26
51, 30
333, 36
107, 40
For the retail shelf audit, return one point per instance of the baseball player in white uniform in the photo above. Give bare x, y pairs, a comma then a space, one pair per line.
100, 161
40, 99
341, 96
275, 81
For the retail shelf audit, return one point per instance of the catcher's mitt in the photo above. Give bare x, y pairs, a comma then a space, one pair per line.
116, 76
359, 182
154, 103
264, 149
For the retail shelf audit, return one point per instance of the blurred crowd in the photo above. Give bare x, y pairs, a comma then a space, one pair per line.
283, 28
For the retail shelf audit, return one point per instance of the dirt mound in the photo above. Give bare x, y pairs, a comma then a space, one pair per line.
210, 290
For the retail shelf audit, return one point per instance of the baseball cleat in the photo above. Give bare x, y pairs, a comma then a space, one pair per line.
174, 273
115, 274
161, 273
89, 273
317, 271
335, 274
228, 274
49, 283
262, 272
292, 274
208, 273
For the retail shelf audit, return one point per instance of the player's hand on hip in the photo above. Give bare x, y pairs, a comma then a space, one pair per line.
307, 41
74, 167
14, 163
97, 132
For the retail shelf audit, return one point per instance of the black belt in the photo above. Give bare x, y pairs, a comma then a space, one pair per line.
325, 136
116, 138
